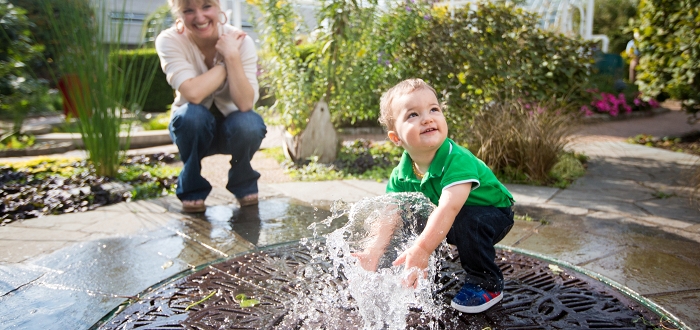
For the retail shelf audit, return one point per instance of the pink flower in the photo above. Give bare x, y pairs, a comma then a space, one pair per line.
586, 111
653, 103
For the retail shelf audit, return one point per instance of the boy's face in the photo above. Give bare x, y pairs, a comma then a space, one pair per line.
419, 125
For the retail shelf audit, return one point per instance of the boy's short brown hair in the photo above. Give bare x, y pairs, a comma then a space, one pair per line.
386, 116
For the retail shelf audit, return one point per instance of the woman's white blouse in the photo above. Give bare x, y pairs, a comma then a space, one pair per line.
181, 59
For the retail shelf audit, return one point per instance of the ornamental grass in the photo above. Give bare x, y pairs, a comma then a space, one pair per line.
102, 91
520, 139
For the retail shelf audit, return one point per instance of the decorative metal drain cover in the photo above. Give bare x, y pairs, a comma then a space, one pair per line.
536, 297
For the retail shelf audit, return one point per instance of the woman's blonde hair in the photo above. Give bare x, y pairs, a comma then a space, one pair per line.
177, 6
386, 115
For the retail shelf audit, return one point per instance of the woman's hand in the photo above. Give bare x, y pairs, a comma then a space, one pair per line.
229, 44
415, 260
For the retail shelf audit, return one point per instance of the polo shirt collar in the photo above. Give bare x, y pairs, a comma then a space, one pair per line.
437, 166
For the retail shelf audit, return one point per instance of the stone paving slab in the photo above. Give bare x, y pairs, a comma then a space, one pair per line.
346, 190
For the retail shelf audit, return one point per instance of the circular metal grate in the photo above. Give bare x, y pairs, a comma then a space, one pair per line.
536, 297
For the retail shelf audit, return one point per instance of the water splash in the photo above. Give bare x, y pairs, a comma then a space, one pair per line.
388, 223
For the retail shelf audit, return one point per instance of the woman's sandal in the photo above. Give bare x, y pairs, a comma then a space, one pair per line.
195, 206
249, 200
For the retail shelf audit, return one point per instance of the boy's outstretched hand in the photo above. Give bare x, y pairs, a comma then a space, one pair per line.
367, 260
415, 260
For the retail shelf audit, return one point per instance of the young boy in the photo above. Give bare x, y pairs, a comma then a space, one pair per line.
473, 208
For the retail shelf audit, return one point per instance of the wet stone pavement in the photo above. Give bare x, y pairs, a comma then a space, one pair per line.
78, 284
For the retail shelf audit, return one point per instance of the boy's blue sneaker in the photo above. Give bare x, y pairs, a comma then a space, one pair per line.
472, 299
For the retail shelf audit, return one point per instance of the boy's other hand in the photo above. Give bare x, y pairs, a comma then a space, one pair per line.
415, 260
367, 260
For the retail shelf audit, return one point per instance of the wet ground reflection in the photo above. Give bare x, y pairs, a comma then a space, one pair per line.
76, 286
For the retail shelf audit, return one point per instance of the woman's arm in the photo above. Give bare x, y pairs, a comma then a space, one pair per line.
241, 90
196, 89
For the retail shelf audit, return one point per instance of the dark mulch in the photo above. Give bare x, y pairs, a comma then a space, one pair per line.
25, 195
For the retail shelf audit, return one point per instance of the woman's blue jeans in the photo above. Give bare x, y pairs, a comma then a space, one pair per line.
198, 133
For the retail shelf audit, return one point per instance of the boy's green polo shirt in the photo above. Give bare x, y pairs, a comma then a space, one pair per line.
452, 165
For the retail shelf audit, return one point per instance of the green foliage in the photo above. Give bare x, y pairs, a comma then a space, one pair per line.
20, 92
569, 167
669, 40
17, 141
481, 55
160, 94
470, 59
102, 87
611, 18
289, 75
41, 29
160, 121
149, 181
359, 159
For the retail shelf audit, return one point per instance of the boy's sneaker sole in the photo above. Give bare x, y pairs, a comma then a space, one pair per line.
477, 309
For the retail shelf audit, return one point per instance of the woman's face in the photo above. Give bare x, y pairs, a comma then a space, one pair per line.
201, 18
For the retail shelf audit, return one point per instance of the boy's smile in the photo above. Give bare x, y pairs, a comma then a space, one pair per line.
420, 126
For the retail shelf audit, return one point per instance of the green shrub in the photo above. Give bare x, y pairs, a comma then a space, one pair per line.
477, 56
160, 95
670, 45
20, 91
611, 18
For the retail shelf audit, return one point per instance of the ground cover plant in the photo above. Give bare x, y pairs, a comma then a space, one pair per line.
47, 186
688, 143
357, 159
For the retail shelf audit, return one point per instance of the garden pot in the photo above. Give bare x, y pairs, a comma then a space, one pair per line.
71, 88
318, 139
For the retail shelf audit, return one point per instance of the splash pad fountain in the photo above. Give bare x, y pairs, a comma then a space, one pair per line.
317, 284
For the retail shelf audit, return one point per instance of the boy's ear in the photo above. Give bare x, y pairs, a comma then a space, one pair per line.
393, 137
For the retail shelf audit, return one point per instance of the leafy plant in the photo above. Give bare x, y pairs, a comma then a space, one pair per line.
289, 75
670, 50
18, 141
101, 88
611, 18
20, 91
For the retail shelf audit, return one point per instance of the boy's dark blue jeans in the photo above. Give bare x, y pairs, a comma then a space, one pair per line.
199, 132
475, 231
